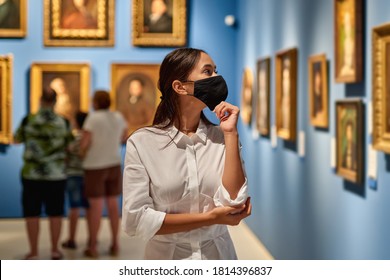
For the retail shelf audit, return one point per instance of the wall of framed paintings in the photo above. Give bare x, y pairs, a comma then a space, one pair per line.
322, 205
84, 58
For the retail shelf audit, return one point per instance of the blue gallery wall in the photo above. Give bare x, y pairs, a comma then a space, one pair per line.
301, 208
206, 30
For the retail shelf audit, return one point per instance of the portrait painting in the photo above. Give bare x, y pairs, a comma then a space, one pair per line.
263, 96
135, 94
381, 87
71, 82
13, 18
78, 23
286, 90
349, 137
246, 96
159, 22
6, 65
348, 41
318, 91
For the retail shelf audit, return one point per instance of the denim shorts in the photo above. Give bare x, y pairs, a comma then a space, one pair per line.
75, 192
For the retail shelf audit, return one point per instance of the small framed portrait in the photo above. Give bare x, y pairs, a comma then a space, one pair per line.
159, 23
381, 87
13, 19
286, 93
348, 40
71, 82
135, 93
246, 96
318, 91
79, 23
349, 139
6, 99
263, 96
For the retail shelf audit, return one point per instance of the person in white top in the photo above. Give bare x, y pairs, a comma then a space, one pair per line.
103, 132
183, 178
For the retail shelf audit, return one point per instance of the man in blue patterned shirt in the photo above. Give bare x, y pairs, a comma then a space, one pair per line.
45, 136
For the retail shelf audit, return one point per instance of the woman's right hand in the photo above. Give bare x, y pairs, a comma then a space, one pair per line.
232, 216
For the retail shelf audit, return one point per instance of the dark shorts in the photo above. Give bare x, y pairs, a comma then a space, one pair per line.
75, 192
38, 193
103, 182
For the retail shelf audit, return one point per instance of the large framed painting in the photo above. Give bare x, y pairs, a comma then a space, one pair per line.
318, 90
135, 93
246, 96
159, 23
75, 23
348, 40
381, 87
286, 93
13, 19
263, 96
6, 99
349, 139
71, 82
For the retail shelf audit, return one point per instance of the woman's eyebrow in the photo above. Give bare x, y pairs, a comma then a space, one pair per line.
209, 65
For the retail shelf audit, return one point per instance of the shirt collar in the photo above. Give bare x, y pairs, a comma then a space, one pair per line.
177, 136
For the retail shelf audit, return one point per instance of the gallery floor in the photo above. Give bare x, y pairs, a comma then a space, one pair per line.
13, 242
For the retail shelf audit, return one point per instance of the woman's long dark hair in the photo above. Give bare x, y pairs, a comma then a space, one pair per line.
177, 65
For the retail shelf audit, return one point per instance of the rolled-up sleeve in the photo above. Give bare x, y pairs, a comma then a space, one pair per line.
138, 215
222, 196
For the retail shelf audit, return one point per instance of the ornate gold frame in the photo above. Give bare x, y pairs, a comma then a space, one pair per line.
358, 42
17, 32
324, 121
6, 65
267, 61
380, 74
290, 133
246, 106
348, 174
36, 78
177, 38
102, 36
121, 70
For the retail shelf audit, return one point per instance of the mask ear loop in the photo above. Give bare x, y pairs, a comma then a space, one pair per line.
186, 82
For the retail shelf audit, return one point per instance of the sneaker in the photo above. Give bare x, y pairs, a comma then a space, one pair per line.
30, 257
57, 255
70, 244
91, 254
114, 251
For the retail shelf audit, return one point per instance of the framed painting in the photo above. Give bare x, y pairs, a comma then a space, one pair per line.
13, 19
159, 23
349, 139
286, 93
73, 23
135, 93
246, 96
318, 91
6, 98
71, 82
381, 87
348, 40
263, 96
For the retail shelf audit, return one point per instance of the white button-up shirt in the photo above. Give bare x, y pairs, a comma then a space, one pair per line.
168, 172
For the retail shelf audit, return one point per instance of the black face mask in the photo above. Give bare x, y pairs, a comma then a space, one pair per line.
211, 91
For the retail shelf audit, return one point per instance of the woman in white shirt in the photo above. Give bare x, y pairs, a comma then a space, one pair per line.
183, 178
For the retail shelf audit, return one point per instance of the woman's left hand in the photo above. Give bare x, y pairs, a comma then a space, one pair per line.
228, 116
